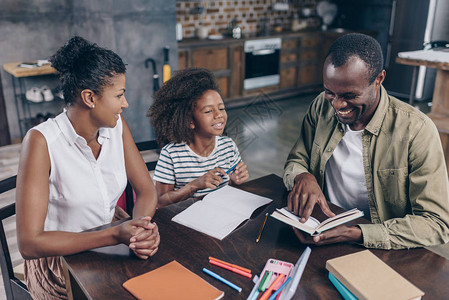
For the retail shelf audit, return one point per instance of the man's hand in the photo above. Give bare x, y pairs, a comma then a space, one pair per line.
338, 234
305, 194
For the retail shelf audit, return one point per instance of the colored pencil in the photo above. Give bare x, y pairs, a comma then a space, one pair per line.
218, 277
229, 264
267, 293
279, 290
230, 268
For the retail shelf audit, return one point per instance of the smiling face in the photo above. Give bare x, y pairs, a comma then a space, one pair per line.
348, 90
209, 115
109, 105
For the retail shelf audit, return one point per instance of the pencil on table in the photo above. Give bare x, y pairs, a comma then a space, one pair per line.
229, 264
261, 229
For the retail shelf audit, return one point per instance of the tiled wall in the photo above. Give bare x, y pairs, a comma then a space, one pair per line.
250, 15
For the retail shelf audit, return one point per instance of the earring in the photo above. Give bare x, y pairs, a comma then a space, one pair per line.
93, 106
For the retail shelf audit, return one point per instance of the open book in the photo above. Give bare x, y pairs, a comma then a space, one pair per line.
312, 226
221, 211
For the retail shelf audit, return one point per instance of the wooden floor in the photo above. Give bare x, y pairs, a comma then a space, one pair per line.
264, 131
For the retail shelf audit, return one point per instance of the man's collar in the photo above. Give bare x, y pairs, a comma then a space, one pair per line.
376, 121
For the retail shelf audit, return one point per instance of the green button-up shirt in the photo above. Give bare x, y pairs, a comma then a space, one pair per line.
404, 168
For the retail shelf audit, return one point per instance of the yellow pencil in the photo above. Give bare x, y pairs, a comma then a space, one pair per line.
261, 229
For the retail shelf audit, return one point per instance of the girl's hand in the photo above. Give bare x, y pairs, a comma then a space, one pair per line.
240, 173
146, 242
209, 180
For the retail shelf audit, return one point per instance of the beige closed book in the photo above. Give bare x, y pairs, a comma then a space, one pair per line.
368, 277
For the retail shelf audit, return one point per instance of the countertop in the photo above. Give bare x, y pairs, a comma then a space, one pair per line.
331, 32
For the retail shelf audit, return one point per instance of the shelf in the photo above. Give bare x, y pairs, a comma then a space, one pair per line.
18, 72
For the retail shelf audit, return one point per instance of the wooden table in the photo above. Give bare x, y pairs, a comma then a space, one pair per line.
99, 274
440, 101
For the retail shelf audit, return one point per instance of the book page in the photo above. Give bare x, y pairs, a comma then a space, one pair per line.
339, 219
237, 200
295, 223
221, 212
311, 221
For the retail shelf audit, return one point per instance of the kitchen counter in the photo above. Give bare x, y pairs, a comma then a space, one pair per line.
331, 32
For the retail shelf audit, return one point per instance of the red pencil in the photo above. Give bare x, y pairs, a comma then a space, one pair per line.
230, 268
229, 264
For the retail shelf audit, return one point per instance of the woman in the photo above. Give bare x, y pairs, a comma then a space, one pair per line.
74, 167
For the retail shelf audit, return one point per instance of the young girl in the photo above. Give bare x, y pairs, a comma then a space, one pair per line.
73, 168
189, 117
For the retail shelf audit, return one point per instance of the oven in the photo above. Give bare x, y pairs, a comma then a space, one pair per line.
262, 63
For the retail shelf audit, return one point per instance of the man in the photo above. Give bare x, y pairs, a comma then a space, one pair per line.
360, 147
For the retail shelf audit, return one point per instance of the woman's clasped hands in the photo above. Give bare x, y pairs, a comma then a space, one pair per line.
141, 236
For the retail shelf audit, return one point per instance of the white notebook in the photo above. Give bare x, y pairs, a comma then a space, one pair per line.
221, 211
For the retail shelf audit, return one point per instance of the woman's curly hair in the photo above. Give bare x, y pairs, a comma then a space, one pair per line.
172, 110
84, 65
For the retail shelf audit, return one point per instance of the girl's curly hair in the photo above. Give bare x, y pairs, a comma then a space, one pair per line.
172, 110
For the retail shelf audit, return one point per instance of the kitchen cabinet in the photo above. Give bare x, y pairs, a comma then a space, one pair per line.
289, 62
310, 62
300, 64
300, 61
224, 60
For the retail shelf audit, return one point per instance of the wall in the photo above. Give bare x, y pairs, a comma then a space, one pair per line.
135, 30
249, 14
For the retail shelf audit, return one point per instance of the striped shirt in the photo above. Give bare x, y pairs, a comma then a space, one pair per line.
179, 165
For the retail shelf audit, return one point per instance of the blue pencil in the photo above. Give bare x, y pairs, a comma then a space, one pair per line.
272, 297
231, 169
216, 276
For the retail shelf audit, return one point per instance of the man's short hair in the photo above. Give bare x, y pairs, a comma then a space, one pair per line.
361, 45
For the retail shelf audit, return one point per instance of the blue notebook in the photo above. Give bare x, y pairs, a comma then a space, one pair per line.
347, 295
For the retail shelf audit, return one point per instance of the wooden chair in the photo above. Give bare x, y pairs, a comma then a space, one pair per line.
14, 288
150, 153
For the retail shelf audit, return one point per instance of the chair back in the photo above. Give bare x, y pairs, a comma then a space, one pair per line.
150, 153
14, 288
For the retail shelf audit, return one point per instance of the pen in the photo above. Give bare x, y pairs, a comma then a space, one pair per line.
230, 268
229, 264
216, 276
261, 228
262, 281
268, 291
263, 285
232, 168
272, 297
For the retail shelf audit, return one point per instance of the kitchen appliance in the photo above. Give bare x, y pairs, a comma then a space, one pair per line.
414, 23
262, 63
